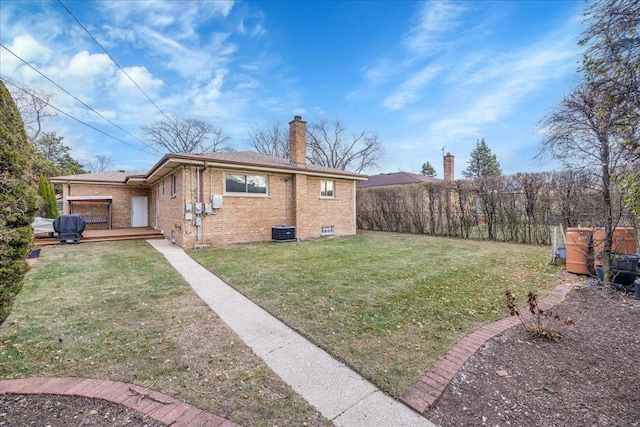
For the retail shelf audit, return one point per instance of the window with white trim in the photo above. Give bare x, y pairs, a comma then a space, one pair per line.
326, 189
327, 230
246, 184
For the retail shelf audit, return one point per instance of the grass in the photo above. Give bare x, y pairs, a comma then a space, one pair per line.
388, 305
118, 311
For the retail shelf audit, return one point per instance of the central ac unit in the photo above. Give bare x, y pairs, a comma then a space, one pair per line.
283, 233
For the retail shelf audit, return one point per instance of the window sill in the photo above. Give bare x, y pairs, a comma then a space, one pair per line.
249, 195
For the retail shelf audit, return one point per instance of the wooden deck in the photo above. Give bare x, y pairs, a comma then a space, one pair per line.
107, 235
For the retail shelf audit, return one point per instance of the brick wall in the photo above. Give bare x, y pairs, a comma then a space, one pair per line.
291, 200
298, 141
120, 206
167, 207
318, 212
248, 218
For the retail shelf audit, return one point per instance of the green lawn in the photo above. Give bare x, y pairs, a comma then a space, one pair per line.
119, 311
388, 305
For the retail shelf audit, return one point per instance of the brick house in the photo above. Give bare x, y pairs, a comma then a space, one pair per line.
217, 198
394, 179
406, 202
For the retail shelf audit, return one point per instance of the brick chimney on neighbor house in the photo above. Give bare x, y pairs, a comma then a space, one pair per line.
448, 169
298, 142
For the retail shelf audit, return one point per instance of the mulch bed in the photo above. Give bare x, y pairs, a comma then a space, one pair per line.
63, 411
591, 377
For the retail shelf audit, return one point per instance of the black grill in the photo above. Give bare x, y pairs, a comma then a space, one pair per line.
69, 228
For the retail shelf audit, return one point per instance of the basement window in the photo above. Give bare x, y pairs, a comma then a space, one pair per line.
245, 184
327, 230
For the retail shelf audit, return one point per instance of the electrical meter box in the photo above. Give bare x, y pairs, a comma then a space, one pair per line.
216, 200
198, 208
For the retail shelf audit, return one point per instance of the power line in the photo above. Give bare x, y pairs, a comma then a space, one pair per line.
4, 79
113, 59
74, 97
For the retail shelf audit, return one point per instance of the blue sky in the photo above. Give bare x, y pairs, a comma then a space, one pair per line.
421, 74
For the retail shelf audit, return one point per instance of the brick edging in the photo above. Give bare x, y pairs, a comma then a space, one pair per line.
153, 404
429, 388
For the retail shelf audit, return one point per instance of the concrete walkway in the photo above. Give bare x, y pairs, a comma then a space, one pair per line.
336, 391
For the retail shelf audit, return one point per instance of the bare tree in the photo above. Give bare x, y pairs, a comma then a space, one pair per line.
179, 135
273, 140
34, 106
611, 61
612, 64
581, 133
332, 147
100, 163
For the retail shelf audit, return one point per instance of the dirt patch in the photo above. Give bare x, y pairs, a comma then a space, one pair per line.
62, 411
590, 377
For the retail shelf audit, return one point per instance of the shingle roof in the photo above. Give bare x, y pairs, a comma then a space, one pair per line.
258, 159
245, 158
110, 176
395, 178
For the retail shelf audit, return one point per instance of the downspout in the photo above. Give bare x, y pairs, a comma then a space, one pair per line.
199, 213
286, 200
354, 218
204, 169
70, 207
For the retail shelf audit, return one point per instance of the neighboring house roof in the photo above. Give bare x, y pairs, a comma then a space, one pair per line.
111, 177
241, 160
395, 178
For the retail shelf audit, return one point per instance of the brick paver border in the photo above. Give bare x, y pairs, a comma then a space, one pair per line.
428, 389
153, 404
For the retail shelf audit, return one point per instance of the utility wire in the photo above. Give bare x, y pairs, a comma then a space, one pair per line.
76, 98
113, 59
4, 79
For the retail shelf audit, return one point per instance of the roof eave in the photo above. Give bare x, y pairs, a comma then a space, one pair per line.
170, 161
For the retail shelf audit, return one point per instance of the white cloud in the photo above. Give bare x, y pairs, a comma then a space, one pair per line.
379, 72
195, 63
84, 65
180, 17
430, 35
251, 25
213, 89
29, 49
207, 100
436, 19
115, 34
141, 76
410, 89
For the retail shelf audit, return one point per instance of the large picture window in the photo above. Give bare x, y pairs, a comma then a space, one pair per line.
326, 189
245, 184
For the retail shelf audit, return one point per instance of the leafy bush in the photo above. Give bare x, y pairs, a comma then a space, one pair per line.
45, 190
17, 202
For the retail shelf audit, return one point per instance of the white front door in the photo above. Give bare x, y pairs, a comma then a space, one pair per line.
139, 212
